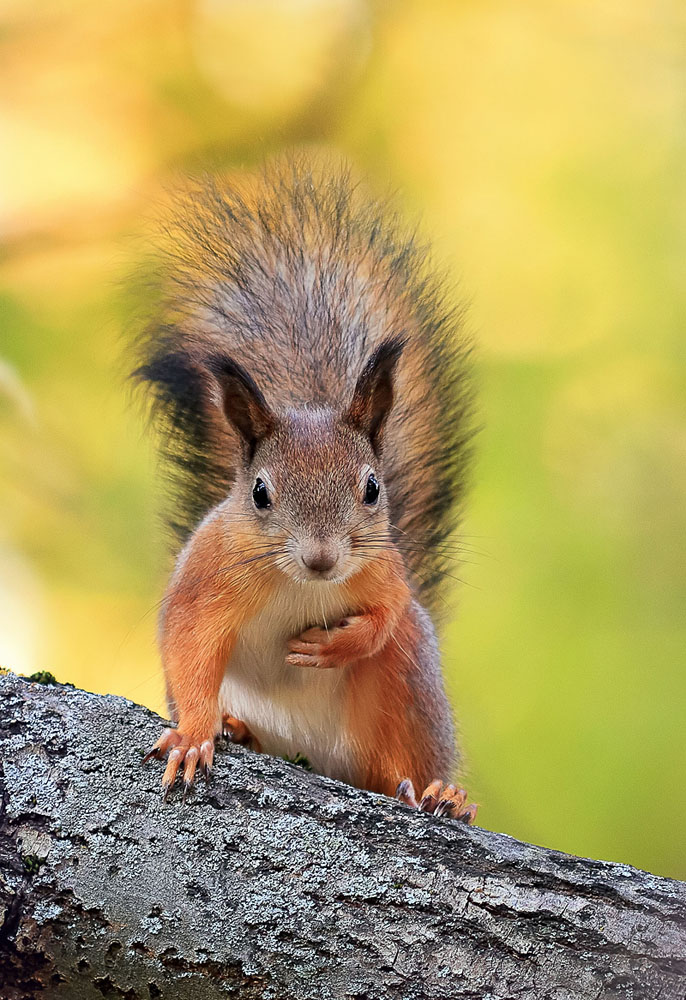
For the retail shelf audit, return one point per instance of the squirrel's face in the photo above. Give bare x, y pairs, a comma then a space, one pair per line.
311, 488
315, 496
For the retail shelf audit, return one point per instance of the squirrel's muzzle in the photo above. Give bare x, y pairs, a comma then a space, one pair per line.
320, 559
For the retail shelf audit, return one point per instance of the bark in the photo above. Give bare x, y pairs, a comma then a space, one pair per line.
272, 882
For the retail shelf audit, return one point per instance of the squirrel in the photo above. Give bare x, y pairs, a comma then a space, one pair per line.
312, 392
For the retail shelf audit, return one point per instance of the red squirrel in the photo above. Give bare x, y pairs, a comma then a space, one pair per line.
311, 387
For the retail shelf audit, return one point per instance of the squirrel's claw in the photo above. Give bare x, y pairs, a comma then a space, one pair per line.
314, 647
439, 800
468, 815
313, 659
307, 652
309, 649
190, 763
188, 756
451, 801
429, 799
304, 660
405, 793
182, 750
167, 740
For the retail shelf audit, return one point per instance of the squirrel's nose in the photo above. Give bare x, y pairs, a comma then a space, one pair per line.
320, 559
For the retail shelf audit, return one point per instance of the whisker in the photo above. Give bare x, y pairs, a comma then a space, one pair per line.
321, 601
405, 653
219, 572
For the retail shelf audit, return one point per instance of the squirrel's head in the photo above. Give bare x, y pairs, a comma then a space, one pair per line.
311, 487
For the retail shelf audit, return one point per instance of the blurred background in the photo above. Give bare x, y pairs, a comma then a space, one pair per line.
543, 145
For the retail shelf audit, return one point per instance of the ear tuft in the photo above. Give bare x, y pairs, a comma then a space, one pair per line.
373, 396
243, 403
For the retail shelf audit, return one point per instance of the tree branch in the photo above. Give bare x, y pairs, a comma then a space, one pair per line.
272, 882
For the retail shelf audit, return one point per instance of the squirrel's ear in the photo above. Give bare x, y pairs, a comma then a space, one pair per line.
243, 403
373, 396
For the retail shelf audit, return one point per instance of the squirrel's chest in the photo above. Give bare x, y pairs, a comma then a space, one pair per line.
291, 710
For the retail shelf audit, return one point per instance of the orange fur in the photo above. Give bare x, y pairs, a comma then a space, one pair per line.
304, 350
216, 589
392, 743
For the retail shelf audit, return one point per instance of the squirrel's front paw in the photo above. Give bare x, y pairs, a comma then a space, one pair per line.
438, 799
182, 749
321, 647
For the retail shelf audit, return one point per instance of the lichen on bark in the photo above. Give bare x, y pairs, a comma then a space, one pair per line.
272, 882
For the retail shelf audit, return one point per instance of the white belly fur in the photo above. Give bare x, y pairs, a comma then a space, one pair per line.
289, 709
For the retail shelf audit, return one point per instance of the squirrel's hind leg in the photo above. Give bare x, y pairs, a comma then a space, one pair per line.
438, 799
236, 731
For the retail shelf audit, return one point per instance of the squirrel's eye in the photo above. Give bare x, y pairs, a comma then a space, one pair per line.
260, 495
371, 493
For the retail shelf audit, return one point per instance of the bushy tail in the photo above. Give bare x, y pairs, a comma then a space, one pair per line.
298, 276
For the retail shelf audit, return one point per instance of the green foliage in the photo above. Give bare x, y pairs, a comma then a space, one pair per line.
300, 760
32, 863
42, 677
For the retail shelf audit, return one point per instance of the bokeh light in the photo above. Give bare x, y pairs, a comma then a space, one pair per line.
543, 145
